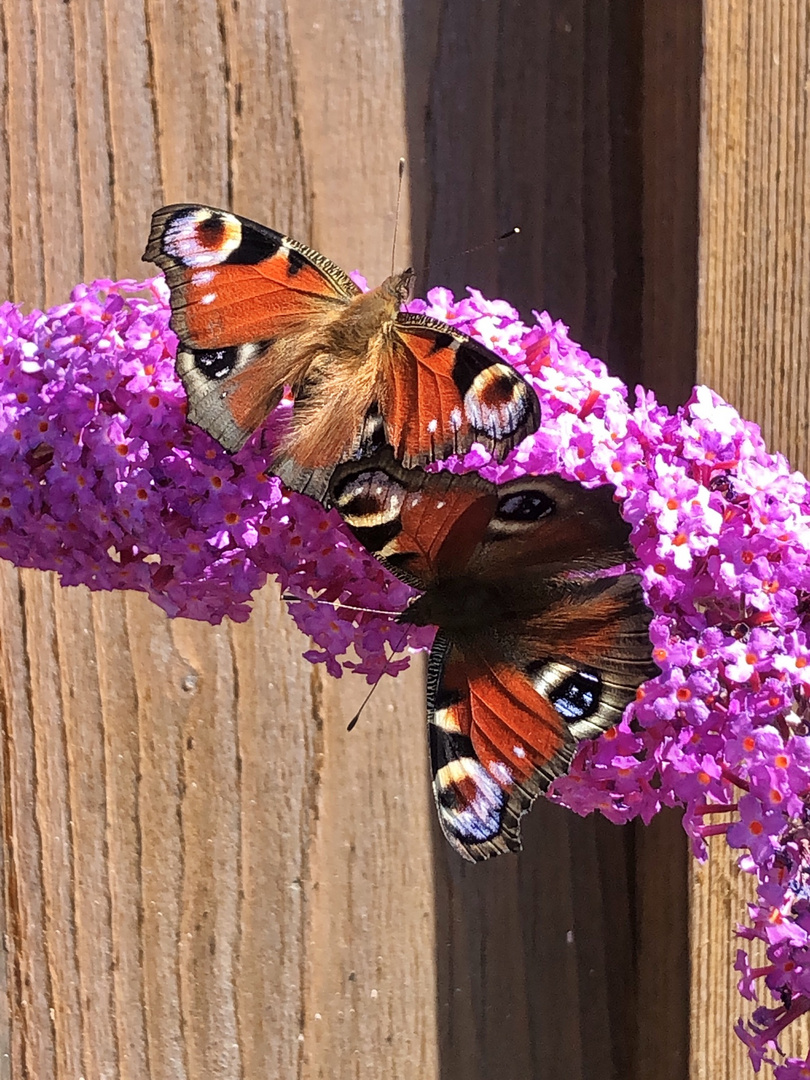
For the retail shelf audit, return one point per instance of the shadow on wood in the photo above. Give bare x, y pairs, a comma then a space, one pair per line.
579, 123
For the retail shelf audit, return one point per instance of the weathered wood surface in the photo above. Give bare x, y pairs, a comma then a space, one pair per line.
205, 876
753, 334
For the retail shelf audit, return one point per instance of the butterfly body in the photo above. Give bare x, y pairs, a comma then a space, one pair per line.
542, 640
461, 605
256, 311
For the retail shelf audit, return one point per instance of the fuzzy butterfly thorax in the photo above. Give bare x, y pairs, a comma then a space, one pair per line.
363, 329
256, 311
461, 605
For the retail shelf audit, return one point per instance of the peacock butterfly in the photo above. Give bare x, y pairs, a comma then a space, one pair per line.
256, 311
538, 645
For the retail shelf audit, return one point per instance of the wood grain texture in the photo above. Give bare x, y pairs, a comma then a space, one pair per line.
753, 338
205, 876
547, 116
192, 886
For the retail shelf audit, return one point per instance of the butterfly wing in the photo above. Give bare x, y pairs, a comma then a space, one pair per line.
481, 792
446, 391
506, 717
242, 297
429, 526
396, 515
536, 649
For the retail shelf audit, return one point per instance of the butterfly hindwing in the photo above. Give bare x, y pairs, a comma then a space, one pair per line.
417, 522
490, 735
538, 648
524, 703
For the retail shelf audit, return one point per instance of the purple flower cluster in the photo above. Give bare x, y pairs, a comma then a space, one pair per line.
102, 480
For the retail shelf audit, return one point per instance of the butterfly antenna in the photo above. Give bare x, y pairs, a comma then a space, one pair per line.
376, 682
396, 215
290, 598
514, 231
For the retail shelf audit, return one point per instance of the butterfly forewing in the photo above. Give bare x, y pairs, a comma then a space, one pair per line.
450, 393
234, 282
243, 299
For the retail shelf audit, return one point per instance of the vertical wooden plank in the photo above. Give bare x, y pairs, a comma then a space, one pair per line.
86, 856
94, 160
280, 748
662, 936
6, 282
58, 157
12, 976
268, 162
136, 146
181, 767
54, 824
117, 689
546, 116
22, 136
529, 116
670, 131
190, 103
372, 1011
31, 1037
350, 80
670, 142
753, 314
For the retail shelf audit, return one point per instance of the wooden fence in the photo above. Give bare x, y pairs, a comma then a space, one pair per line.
205, 876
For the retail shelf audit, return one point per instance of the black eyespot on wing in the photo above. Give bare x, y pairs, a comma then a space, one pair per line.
525, 506
296, 263
256, 244
364, 495
215, 363
578, 696
471, 359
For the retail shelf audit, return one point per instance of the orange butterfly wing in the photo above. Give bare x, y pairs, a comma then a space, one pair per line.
489, 734
234, 281
446, 392
241, 296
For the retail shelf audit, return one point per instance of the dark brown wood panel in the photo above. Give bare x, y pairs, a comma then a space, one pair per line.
578, 122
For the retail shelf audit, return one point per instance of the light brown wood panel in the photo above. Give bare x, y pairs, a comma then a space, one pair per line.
178, 843
753, 339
